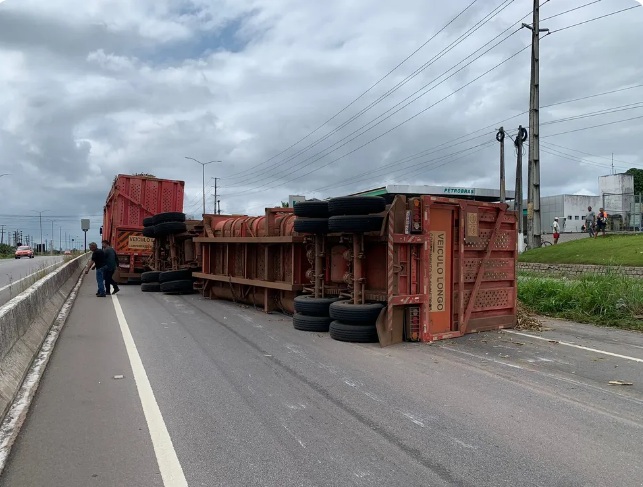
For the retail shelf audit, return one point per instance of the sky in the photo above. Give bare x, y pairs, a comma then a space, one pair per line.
309, 98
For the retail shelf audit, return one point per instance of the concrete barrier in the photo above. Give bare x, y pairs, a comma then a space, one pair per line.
25, 322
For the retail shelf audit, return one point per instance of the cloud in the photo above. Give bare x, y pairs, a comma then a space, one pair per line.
93, 89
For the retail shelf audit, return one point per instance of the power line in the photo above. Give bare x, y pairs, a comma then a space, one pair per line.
592, 127
595, 18
367, 90
419, 70
570, 10
605, 111
401, 123
587, 153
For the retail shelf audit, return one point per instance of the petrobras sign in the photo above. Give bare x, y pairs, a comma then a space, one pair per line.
468, 191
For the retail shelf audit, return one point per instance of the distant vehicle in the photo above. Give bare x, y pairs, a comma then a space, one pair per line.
67, 252
24, 251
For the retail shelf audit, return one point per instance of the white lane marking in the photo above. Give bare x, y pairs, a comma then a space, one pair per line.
169, 465
32, 274
413, 419
568, 344
482, 357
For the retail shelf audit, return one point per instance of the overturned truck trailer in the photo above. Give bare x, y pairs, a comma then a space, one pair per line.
418, 268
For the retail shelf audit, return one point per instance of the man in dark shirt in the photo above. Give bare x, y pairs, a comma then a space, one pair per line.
97, 262
110, 268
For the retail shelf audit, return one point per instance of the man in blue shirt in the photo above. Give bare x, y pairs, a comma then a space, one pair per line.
110, 268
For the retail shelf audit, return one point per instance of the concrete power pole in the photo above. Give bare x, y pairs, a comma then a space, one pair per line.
2, 233
533, 174
500, 137
215, 194
520, 139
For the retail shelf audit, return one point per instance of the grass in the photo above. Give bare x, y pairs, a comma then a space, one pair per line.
624, 250
610, 300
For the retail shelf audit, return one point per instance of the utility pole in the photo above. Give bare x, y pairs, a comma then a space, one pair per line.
2, 234
500, 137
533, 174
215, 194
520, 139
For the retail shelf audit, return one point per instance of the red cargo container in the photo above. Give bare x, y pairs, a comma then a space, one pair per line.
131, 199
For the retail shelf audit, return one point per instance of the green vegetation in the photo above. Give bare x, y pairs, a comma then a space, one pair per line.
611, 300
638, 179
7, 251
609, 250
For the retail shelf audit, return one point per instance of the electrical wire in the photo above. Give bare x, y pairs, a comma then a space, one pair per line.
496, 11
570, 10
592, 127
595, 18
605, 111
587, 153
365, 92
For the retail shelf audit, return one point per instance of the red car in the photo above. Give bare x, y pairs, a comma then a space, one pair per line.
24, 251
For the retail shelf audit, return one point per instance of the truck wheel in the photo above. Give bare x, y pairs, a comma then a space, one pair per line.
169, 228
149, 232
344, 332
355, 223
356, 205
170, 216
150, 287
148, 222
311, 306
355, 314
150, 276
177, 287
311, 225
310, 323
180, 275
312, 209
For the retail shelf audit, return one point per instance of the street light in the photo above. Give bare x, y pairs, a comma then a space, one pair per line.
203, 164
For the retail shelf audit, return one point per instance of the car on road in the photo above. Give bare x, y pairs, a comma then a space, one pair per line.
24, 251
67, 252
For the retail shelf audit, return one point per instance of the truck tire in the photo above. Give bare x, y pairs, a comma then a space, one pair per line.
148, 222
150, 287
169, 228
312, 209
184, 286
356, 205
355, 223
149, 232
150, 276
311, 225
180, 275
310, 323
355, 314
345, 332
311, 306
170, 216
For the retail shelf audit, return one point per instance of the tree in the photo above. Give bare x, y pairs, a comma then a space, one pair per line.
284, 204
638, 179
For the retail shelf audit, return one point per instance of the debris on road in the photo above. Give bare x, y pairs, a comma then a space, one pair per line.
619, 383
118, 377
525, 319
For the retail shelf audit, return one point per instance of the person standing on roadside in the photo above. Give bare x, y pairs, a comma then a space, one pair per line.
590, 219
97, 262
110, 268
556, 230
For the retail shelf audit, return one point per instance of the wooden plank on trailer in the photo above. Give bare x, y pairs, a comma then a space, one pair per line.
282, 286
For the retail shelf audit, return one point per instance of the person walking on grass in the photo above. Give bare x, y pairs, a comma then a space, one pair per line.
556, 230
590, 220
110, 268
97, 262
601, 222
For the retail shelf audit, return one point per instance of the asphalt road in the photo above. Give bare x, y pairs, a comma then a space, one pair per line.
247, 400
13, 270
